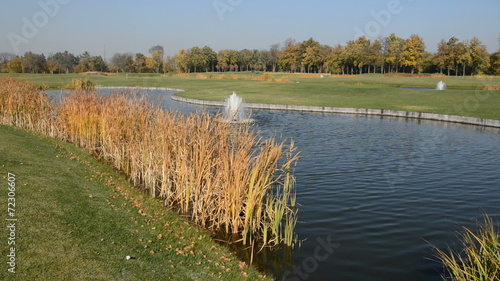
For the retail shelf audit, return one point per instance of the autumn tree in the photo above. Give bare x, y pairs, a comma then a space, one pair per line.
413, 53
139, 64
441, 56
157, 52
227, 60
15, 65
479, 56
393, 47
311, 59
357, 54
334, 60
290, 57
182, 60
463, 57
374, 56
4, 59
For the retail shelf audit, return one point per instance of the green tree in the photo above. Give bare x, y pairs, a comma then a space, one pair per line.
91, 63
263, 60
413, 53
495, 63
246, 58
33, 63
139, 64
66, 61
196, 59
210, 58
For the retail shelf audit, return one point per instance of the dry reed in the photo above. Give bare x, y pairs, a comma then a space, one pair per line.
480, 257
222, 176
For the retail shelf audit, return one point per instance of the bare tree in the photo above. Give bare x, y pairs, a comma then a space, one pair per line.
274, 54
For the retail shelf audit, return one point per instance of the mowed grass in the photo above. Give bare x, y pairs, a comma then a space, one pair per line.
78, 220
360, 91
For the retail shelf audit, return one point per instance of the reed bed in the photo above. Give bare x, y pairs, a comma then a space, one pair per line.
480, 257
224, 177
22, 106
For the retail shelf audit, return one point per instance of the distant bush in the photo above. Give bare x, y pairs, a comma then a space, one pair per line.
80, 84
42, 87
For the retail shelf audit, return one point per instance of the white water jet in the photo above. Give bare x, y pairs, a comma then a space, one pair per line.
441, 86
235, 110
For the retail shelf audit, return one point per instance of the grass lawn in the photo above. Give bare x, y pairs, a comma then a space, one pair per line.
360, 91
78, 220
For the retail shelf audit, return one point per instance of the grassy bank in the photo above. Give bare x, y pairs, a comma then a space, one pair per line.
78, 220
360, 91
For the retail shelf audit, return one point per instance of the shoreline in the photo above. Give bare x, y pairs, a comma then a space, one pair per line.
359, 111
326, 109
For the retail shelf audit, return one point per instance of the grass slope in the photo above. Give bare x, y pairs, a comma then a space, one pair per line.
78, 220
360, 91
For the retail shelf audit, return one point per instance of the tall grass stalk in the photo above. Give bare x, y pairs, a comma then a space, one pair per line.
480, 257
224, 177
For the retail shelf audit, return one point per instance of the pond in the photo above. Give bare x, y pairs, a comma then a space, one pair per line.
377, 192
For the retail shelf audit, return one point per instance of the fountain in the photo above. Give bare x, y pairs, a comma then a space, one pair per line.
441, 86
235, 110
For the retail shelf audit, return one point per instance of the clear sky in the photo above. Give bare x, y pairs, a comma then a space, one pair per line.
105, 27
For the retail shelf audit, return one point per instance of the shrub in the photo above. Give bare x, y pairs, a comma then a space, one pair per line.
80, 84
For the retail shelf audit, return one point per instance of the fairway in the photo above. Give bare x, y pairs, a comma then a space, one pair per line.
374, 91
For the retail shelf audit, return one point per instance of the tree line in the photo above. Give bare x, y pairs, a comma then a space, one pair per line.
390, 54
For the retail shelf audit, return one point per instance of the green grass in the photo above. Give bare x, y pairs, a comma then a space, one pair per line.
78, 220
361, 91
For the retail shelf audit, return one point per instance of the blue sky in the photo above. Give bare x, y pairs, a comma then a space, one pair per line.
49, 26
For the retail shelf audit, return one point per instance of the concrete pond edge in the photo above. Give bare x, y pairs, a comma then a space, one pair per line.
360, 111
326, 109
